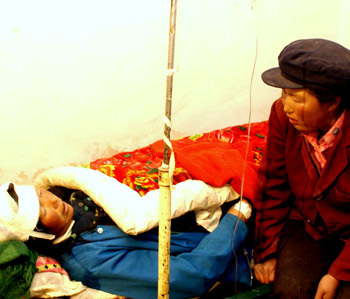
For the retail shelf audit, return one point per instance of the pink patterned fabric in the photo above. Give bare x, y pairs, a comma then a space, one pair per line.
49, 264
326, 141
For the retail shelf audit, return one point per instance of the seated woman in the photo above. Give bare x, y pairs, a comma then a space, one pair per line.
302, 219
99, 254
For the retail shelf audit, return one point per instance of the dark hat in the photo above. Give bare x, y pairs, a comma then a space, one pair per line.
311, 63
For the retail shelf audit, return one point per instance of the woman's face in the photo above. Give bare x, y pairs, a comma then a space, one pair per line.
306, 113
55, 215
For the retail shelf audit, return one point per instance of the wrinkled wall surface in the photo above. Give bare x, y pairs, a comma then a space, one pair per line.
85, 79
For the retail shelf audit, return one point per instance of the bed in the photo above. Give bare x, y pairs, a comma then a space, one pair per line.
215, 157
139, 168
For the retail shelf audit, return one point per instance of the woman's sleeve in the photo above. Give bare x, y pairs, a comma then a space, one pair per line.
340, 266
204, 265
272, 203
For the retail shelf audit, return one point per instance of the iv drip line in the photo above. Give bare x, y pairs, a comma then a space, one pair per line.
246, 151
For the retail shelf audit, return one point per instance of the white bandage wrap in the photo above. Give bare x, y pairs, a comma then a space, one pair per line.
243, 208
171, 165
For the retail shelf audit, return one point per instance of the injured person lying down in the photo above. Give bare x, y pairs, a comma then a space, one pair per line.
105, 234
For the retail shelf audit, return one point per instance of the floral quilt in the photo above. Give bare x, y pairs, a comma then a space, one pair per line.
138, 169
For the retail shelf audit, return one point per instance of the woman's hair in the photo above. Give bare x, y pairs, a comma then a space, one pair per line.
327, 95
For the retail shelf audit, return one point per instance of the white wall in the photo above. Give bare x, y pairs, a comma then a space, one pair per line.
85, 79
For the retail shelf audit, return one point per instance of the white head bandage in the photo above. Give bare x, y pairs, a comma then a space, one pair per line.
19, 213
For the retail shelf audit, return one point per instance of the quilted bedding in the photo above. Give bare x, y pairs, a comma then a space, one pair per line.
138, 169
205, 166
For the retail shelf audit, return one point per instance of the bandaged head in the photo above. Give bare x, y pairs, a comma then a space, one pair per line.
19, 213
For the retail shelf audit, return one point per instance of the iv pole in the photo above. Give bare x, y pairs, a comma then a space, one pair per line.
164, 177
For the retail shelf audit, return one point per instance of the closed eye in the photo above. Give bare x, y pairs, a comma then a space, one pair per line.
43, 212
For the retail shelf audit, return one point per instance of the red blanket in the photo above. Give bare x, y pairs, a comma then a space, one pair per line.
216, 163
216, 157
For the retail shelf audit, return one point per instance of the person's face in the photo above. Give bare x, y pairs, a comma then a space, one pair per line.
55, 215
306, 113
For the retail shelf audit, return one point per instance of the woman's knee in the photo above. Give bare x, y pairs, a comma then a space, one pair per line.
293, 288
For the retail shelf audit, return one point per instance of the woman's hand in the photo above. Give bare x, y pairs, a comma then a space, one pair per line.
327, 287
265, 272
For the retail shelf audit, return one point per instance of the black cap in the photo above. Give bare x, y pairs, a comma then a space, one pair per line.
311, 63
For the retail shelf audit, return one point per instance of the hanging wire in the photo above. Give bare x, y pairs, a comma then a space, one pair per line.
246, 151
